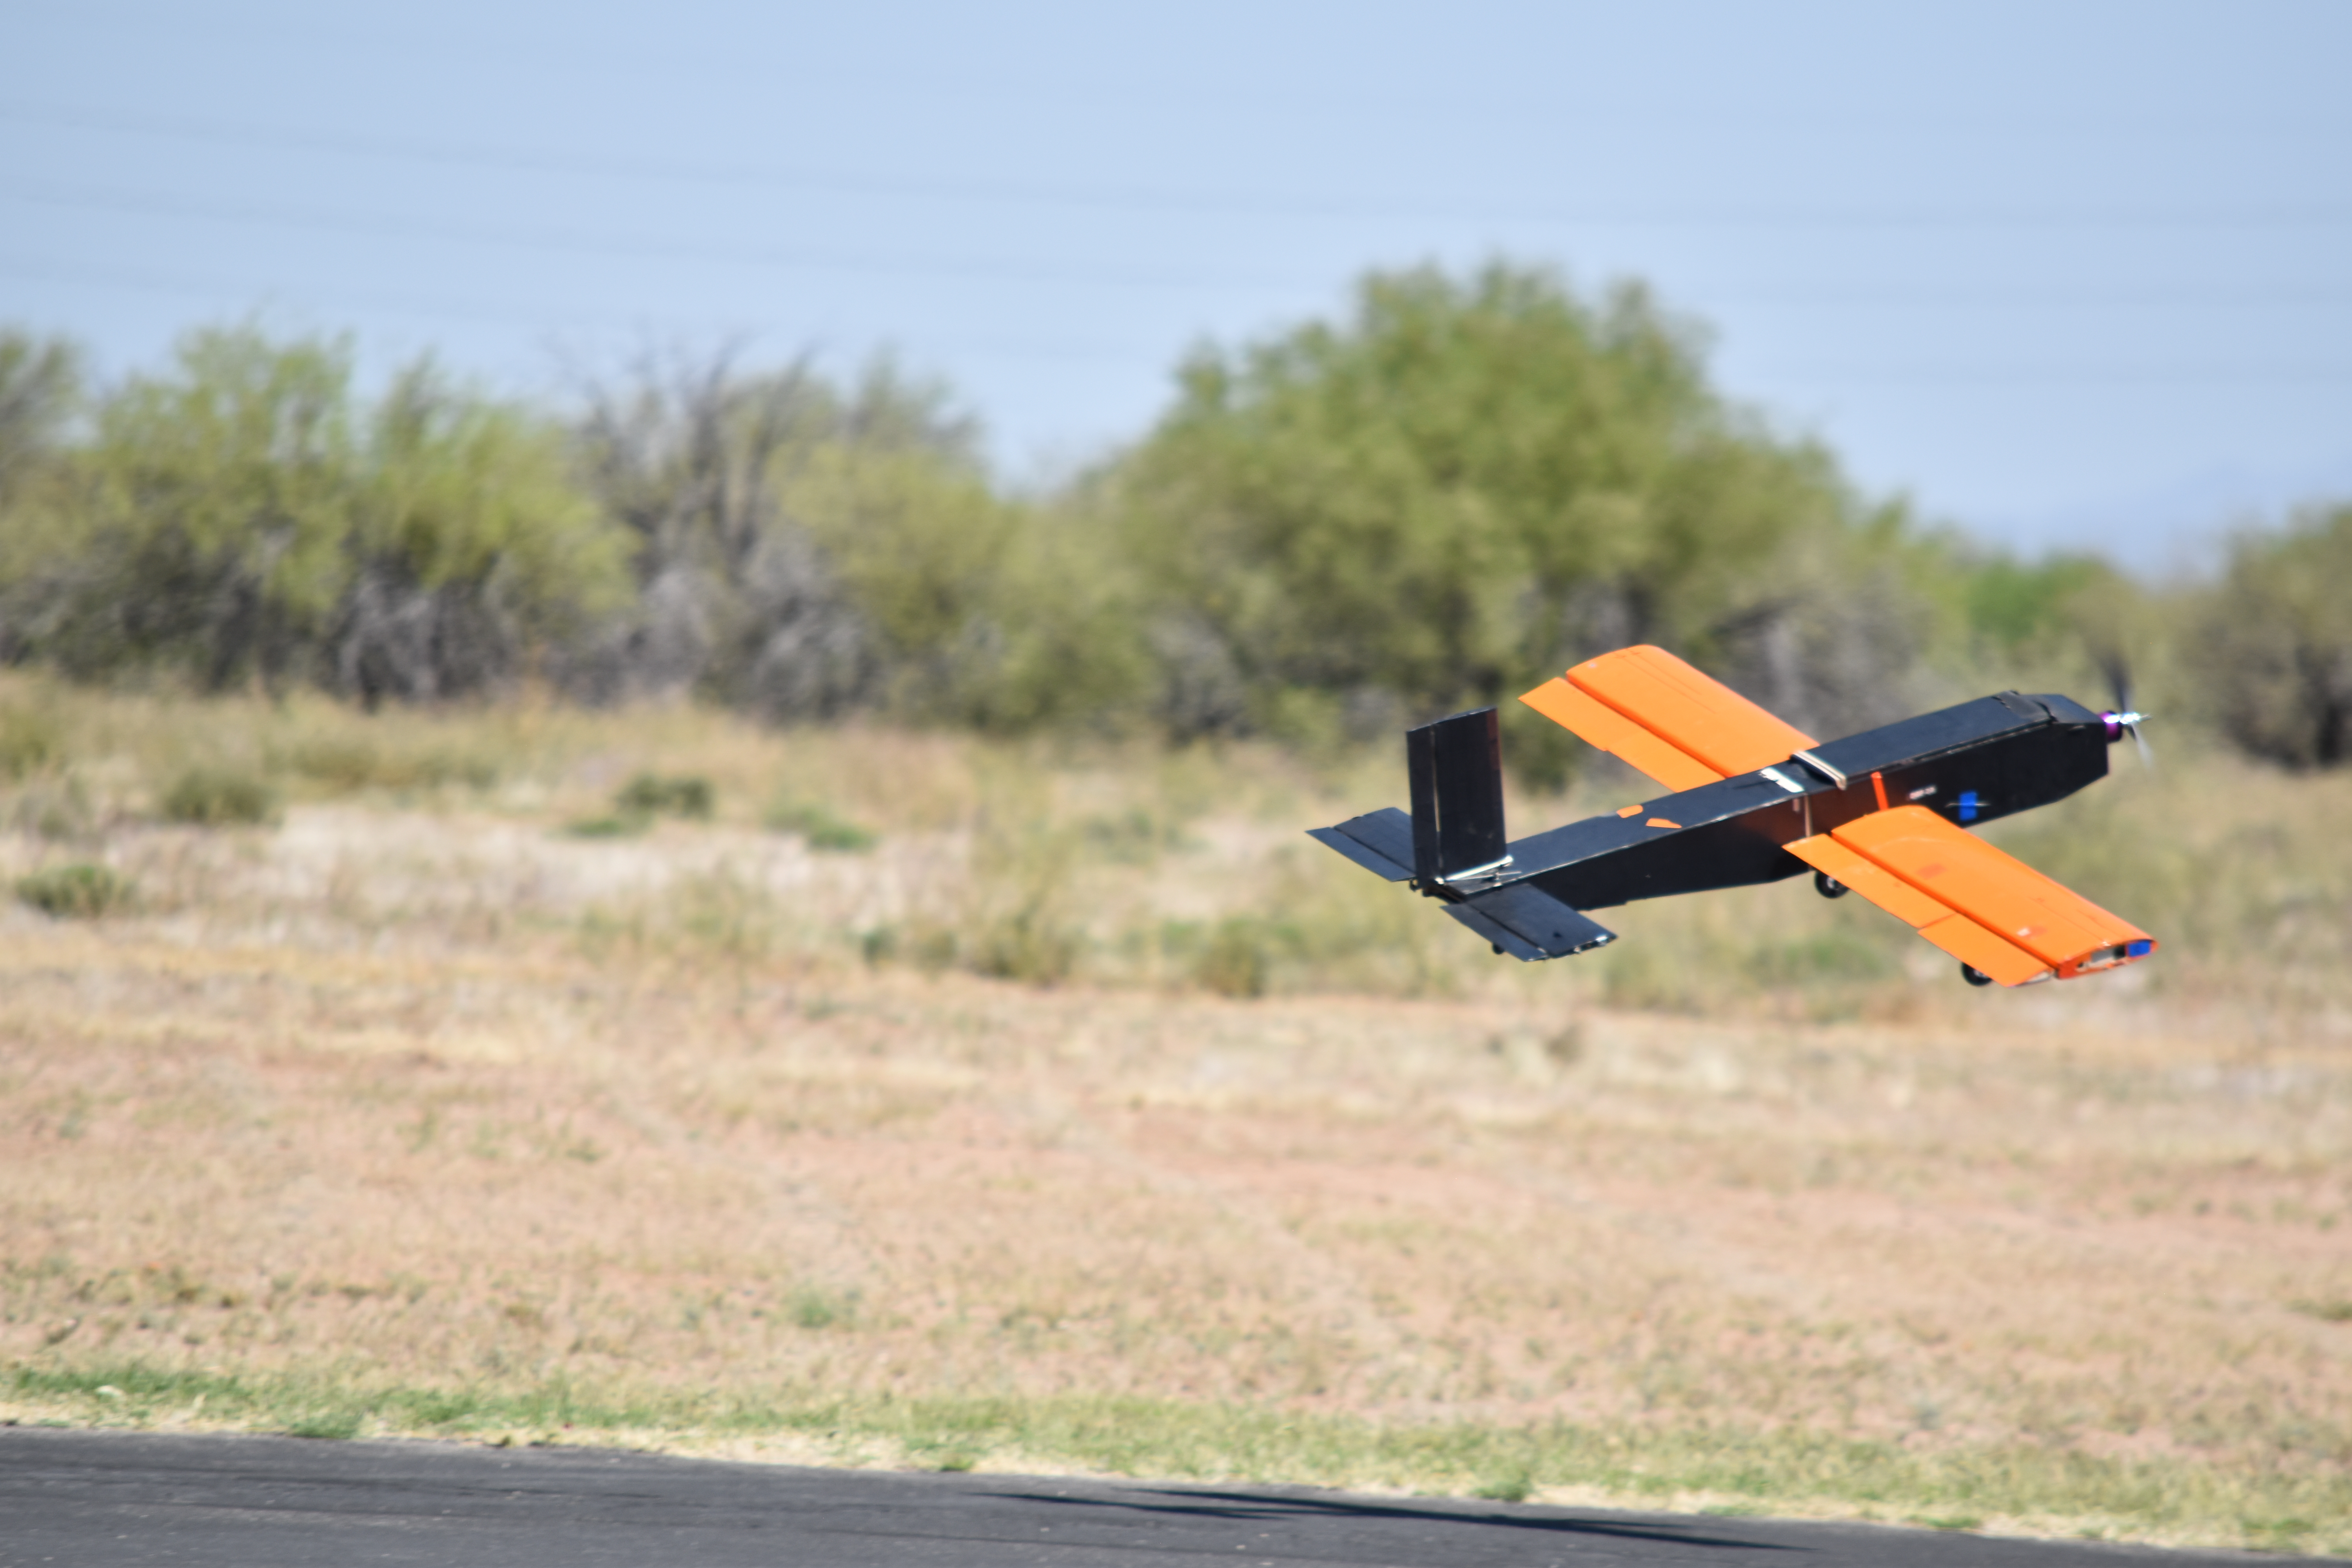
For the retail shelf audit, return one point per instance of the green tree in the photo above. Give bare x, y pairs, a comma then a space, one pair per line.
244, 514
471, 543
2276, 641
40, 391
40, 397
216, 507
2013, 604
693, 454
807, 548
1472, 481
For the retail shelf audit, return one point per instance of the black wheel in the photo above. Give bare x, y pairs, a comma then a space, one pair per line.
1974, 975
1829, 886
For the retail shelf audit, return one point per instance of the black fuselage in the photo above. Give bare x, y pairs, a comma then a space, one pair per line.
1973, 764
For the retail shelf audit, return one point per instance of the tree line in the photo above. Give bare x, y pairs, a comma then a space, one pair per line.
1454, 486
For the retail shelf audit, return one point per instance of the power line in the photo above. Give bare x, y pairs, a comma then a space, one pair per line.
2016, 376
153, 204
183, 284
1263, 205
1825, 295
2233, 297
1956, 378
910, 78
432, 308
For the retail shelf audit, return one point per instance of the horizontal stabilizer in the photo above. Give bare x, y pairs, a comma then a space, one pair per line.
1379, 841
1529, 923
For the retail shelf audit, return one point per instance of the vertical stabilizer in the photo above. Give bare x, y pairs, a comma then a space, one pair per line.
1456, 768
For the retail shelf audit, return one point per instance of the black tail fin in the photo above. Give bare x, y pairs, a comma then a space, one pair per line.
1457, 768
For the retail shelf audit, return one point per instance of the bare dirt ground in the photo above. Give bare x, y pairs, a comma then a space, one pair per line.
440, 1098
507, 1152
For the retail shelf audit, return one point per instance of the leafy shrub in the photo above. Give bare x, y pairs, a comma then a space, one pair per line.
819, 827
651, 794
346, 764
1027, 943
342, 766
930, 945
1235, 960
1472, 480
1023, 918
2276, 650
815, 1307
1235, 956
77, 892
29, 741
640, 800
219, 798
416, 545
618, 825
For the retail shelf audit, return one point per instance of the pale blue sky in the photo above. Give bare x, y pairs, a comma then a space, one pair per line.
2065, 273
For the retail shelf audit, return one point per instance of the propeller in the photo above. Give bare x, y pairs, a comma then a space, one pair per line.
2122, 718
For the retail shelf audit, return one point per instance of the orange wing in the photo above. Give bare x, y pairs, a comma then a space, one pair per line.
1990, 911
1652, 711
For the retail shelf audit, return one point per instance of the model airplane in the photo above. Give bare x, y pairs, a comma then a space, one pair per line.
1883, 814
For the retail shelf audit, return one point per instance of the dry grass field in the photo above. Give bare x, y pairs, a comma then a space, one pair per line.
930, 1101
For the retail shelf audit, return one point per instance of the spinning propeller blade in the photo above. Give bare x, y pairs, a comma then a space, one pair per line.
2122, 718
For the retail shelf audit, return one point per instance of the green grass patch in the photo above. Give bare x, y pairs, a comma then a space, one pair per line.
654, 794
616, 825
30, 739
643, 798
336, 1424
349, 763
812, 1306
2263, 1503
80, 892
819, 827
219, 798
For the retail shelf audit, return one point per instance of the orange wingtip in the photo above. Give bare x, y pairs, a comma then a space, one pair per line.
2018, 921
2006, 897
1957, 890
2111, 957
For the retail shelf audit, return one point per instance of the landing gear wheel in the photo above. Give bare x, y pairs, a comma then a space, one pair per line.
1829, 886
1974, 975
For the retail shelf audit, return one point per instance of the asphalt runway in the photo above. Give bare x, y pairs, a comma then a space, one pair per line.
117, 1498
